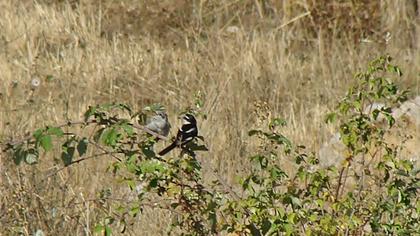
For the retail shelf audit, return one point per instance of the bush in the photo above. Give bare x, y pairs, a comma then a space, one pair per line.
270, 202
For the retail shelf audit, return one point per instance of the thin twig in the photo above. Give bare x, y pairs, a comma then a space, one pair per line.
75, 162
145, 129
106, 151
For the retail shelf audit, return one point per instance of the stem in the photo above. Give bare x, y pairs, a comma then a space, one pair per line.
337, 191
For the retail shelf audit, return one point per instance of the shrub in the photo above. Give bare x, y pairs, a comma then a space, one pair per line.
270, 202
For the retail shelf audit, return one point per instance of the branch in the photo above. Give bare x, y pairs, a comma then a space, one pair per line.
78, 161
12, 143
105, 151
145, 129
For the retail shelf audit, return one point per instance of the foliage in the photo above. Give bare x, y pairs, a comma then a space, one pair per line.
313, 201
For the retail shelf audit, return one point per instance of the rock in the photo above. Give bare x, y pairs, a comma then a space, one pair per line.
407, 116
332, 152
410, 110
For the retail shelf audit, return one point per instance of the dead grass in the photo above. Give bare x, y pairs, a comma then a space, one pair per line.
89, 52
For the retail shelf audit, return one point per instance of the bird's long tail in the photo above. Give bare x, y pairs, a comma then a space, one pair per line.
168, 149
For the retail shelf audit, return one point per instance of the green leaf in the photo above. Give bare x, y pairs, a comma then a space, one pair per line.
288, 228
277, 122
375, 114
46, 142
280, 139
125, 107
115, 167
98, 228
277, 173
90, 112
82, 146
19, 155
128, 129
296, 202
153, 183
344, 107
148, 151
67, 155
55, 131
260, 160
403, 96
266, 225
131, 184
254, 132
108, 230
246, 183
131, 167
191, 164
292, 217
302, 173
38, 133
110, 137
120, 209
390, 119
395, 69
331, 117
151, 167
357, 105
98, 134
134, 211
196, 147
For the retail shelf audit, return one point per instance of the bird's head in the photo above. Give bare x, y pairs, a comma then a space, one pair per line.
188, 119
162, 114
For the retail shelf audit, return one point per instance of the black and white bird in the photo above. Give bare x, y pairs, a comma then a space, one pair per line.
186, 134
159, 123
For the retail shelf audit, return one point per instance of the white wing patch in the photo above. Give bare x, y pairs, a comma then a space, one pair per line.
190, 130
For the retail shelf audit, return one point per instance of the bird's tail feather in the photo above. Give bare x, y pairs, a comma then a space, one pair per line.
168, 149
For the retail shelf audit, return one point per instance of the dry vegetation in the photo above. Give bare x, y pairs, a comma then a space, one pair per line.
290, 59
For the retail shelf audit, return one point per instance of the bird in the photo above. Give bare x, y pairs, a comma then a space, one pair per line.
159, 123
186, 134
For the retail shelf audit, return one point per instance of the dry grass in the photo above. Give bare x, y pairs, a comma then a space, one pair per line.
90, 52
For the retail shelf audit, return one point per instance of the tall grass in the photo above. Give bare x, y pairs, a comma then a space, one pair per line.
289, 59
